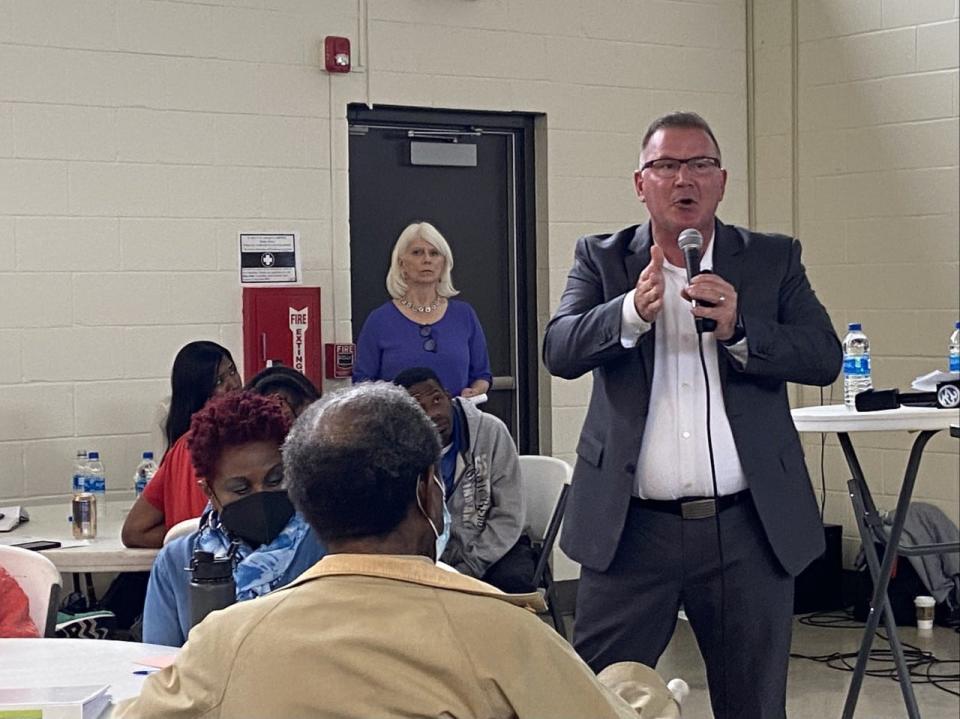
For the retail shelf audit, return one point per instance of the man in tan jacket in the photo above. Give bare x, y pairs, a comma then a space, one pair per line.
376, 629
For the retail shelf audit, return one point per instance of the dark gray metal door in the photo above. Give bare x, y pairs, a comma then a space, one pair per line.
471, 176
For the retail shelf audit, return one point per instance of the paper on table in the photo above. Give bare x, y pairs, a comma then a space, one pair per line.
80, 702
10, 517
160, 661
929, 381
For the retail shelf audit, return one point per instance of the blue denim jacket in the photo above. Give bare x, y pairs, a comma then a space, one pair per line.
166, 614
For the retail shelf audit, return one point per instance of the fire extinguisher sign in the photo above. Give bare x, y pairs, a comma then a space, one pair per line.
299, 323
269, 259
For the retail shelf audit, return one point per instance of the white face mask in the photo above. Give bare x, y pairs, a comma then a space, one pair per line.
444, 536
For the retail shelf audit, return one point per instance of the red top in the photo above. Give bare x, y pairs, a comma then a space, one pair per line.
174, 489
15, 621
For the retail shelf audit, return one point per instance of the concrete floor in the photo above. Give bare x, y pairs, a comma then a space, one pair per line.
815, 691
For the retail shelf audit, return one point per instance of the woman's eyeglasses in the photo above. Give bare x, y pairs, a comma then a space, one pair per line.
429, 343
224, 376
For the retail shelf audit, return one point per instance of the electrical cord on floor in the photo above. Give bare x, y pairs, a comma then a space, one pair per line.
831, 620
920, 662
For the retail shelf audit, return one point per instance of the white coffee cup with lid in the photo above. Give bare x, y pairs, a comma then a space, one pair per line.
925, 606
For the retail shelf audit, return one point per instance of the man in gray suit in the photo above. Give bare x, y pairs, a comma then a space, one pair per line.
666, 508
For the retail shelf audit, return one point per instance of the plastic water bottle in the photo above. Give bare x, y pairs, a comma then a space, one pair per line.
96, 483
145, 471
856, 364
79, 472
953, 351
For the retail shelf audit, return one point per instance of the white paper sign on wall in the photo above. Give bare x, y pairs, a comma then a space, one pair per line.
270, 259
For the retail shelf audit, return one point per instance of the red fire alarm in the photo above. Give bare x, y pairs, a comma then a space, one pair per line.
340, 358
336, 53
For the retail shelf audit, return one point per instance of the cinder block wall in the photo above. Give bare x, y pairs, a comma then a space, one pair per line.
136, 140
857, 152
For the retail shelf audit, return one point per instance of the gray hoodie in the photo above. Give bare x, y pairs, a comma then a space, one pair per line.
927, 524
486, 505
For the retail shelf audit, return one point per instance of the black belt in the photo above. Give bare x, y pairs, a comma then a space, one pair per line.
693, 507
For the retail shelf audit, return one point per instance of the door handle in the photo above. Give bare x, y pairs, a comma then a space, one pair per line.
503, 383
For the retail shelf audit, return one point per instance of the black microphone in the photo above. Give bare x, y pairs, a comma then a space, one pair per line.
690, 243
947, 396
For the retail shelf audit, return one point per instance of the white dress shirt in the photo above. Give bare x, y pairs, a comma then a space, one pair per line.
674, 457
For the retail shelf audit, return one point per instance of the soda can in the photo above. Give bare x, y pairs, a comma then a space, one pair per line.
84, 508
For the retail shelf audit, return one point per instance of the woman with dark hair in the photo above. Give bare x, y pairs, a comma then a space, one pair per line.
235, 445
201, 370
292, 388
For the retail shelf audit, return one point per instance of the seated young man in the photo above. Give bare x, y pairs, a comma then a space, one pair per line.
235, 447
481, 476
375, 628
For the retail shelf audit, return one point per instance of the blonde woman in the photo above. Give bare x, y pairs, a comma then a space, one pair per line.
422, 326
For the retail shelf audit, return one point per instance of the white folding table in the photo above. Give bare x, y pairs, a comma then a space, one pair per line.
28, 663
927, 421
104, 553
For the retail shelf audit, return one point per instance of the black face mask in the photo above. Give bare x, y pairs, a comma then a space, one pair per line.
257, 518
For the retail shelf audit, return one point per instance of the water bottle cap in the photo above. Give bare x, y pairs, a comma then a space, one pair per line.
148, 455
957, 326
854, 327
93, 455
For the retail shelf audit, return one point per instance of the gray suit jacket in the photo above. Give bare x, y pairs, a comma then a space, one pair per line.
790, 339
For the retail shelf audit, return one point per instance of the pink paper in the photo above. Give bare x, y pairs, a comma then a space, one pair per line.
160, 662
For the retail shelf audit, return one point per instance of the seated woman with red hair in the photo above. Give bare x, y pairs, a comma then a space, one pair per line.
235, 447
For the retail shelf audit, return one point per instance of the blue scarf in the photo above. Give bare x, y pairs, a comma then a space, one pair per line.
256, 571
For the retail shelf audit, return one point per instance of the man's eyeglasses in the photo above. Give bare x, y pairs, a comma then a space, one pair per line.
429, 343
670, 166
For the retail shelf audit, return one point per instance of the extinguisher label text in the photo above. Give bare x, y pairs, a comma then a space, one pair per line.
299, 323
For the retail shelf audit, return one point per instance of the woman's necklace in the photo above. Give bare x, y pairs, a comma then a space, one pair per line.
423, 309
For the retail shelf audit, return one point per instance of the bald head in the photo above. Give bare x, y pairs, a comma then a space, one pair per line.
352, 460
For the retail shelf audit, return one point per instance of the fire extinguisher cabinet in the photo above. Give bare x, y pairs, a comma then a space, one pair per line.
282, 325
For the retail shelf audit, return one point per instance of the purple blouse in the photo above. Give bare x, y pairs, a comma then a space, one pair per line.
454, 347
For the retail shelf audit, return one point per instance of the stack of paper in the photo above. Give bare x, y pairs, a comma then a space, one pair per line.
10, 517
86, 702
929, 381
